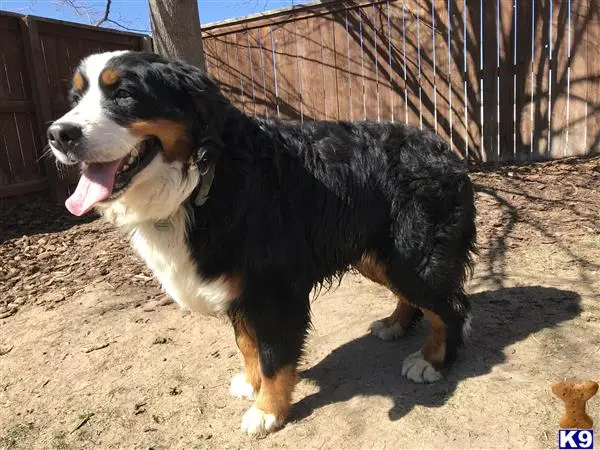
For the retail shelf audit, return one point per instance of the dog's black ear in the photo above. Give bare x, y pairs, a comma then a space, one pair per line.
209, 102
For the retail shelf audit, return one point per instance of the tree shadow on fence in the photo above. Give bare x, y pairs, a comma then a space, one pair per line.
520, 115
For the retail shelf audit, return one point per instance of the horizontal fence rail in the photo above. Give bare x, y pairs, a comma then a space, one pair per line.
502, 80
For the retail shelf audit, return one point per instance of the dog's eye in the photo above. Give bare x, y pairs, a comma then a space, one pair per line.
75, 98
122, 93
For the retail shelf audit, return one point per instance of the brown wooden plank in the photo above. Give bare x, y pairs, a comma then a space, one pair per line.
288, 87
457, 74
6, 154
474, 77
356, 65
29, 145
329, 72
14, 167
9, 21
211, 59
257, 64
396, 49
593, 78
445, 117
370, 62
342, 64
490, 79
231, 79
524, 77
384, 69
428, 69
217, 50
34, 58
12, 67
311, 68
506, 73
269, 73
541, 70
559, 85
242, 68
248, 68
412, 28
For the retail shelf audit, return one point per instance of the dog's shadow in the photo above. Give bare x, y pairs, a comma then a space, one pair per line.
369, 367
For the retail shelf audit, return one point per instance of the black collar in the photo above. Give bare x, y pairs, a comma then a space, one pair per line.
206, 167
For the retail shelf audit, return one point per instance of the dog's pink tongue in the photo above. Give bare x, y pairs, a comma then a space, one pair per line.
96, 184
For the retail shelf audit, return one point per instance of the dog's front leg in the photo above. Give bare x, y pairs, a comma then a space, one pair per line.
270, 330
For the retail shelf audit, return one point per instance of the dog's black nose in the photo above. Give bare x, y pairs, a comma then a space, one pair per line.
64, 136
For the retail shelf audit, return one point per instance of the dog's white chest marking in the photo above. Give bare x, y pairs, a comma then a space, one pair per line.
163, 247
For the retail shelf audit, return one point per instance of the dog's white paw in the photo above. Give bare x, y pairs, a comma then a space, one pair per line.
256, 422
380, 330
240, 388
416, 369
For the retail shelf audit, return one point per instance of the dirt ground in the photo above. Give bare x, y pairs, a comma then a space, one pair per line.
92, 354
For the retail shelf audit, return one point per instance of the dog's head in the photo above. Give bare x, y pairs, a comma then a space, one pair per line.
136, 123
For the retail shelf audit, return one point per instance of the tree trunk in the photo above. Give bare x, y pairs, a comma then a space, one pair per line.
176, 30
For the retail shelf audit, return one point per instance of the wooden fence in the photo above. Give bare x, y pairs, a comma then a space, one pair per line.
37, 58
502, 79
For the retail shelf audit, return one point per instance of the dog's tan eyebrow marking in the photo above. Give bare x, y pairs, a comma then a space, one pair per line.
109, 76
79, 81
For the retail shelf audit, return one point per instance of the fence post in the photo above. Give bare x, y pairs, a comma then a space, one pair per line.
39, 91
147, 44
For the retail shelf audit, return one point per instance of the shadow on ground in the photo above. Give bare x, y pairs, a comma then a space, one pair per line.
501, 318
37, 217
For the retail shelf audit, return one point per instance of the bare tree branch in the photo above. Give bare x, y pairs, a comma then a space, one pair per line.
106, 14
81, 9
135, 30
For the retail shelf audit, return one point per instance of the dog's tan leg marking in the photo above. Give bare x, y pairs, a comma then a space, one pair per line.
395, 325
246, 384
423, 366
272, 404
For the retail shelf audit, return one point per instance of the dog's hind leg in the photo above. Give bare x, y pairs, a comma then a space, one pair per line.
404, 316
395, 325
448, 322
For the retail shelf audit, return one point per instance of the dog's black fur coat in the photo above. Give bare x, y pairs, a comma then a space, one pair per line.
296, 205
293, 206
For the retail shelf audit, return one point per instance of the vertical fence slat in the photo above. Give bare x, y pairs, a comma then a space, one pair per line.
445, 116
505, 95
328, 48
284, 37
593, 77
355, 67
580, 43
34, 58
458, 77
371, 46
412, 92
523, 79
310, 68
560, 65
490, 74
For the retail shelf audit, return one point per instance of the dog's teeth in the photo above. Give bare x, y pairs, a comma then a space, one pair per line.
125, 167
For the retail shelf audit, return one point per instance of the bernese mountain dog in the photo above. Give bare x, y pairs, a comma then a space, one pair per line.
243, 217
